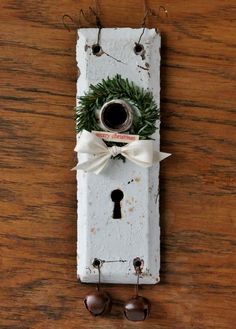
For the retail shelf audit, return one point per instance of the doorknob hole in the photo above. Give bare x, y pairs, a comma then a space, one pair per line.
116, 115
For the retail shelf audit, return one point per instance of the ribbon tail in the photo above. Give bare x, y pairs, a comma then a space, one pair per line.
139, 152
95, 165
141, 163
159, 156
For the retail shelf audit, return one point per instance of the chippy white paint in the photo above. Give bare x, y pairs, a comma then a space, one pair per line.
137, 233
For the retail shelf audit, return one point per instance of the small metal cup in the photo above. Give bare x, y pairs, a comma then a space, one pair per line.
116, 116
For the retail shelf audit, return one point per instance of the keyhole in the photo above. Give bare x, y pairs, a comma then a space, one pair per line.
117, 196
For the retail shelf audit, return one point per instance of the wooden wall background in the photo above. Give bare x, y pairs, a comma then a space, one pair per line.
198, 186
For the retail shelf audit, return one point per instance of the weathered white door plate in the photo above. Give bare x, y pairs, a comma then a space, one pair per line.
123, 187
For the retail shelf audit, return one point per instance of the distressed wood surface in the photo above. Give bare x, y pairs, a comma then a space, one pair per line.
38, 202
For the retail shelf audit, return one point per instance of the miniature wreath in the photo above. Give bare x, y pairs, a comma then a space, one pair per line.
145, 109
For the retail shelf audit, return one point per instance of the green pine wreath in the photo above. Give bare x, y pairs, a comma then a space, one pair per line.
145, 114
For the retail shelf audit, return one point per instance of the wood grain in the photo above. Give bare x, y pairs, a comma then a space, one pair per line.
198, 185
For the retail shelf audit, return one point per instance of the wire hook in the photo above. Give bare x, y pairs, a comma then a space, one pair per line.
98, 20
150, 12
138, 272
162, 8
66, 26
83, 14
96, 13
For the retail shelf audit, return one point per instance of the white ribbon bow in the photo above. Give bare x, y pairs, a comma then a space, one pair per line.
140, 152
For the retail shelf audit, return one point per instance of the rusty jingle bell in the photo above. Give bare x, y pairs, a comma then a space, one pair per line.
137, 308
98, 303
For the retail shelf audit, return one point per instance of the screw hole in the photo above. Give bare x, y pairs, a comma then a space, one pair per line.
96, 263
138, 49
138, 263
97, 50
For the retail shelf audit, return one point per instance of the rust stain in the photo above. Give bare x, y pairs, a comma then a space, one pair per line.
137, 179
146, 272
143, 55
131, 181
131, 209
